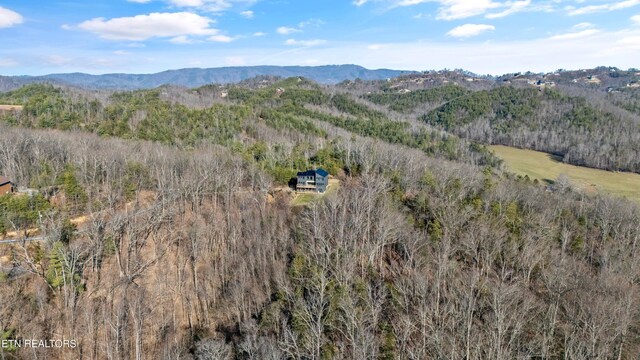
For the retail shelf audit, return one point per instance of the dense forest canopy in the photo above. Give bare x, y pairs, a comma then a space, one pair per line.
166, 227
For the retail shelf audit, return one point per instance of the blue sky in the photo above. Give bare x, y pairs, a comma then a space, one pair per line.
484, 36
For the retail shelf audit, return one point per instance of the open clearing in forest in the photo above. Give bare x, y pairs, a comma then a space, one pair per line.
302, 199
546, 167
10, 107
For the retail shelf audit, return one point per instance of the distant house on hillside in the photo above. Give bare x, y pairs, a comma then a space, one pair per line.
6, 186
313, 181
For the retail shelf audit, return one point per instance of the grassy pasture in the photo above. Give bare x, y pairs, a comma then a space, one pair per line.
546, 167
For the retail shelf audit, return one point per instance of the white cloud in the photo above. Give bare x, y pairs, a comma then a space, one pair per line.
204, 5
631, 42
575, 35
259, 33
469, 30
310, 22
460, 9
513, 7
221, 38
182, 39
121, 52
285, 30
583, 25
455, 9
9, 18
247, 14
410, 2
602, 7
636, 19
143, 27
611, 48
209, 5
187, 3
305, 43
621, 49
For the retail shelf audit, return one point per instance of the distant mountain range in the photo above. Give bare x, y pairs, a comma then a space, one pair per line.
195, 77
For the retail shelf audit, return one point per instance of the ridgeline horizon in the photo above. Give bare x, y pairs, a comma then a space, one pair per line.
195, 76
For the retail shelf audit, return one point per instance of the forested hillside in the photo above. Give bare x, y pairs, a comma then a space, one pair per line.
588, 117
168, 235
547, 121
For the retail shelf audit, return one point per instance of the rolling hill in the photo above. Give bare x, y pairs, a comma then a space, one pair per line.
191, 248
194, 77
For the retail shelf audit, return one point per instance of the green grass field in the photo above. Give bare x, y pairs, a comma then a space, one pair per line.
545, 167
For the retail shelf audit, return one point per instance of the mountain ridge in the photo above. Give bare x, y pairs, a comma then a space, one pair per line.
195, 77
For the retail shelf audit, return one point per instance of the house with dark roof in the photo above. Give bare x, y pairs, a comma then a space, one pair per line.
6, 186
312, 181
